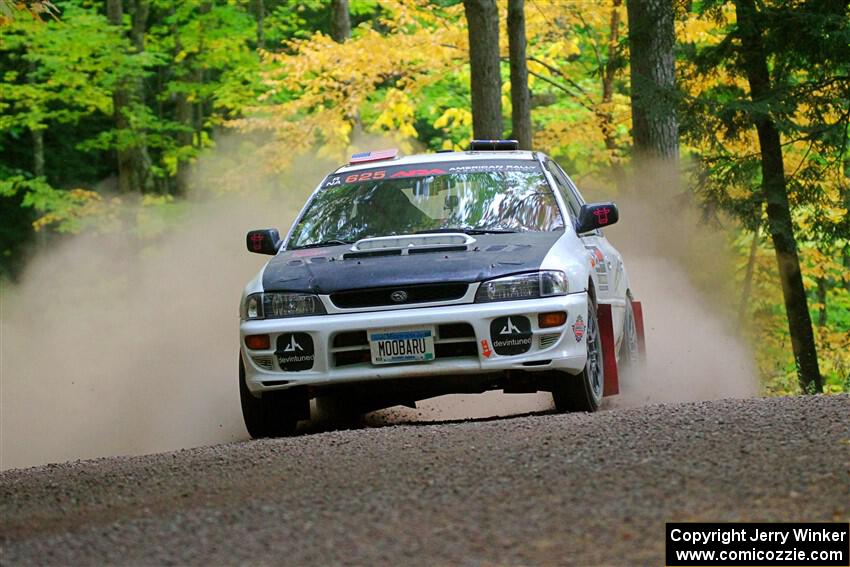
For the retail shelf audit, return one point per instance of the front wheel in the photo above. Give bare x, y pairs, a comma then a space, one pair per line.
271, 415
584, 391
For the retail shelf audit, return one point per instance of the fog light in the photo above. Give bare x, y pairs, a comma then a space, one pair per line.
257, 342
552, 319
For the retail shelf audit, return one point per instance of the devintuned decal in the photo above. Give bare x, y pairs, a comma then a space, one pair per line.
511, 335
295, 352
579, 328
485, 349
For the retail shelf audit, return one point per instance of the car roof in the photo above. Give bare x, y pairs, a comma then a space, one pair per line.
442, 157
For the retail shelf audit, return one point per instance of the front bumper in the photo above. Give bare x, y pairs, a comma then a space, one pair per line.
337, 362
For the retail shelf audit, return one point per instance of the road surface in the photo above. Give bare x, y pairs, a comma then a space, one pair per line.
534, 489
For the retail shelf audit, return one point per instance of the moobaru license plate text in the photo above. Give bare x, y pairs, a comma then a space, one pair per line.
408, 345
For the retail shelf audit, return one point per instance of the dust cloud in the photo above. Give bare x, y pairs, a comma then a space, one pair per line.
682, 270
112, 346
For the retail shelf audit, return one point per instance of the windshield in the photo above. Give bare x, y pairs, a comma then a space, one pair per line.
497, 196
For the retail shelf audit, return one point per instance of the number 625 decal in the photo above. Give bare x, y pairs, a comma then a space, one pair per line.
365, 176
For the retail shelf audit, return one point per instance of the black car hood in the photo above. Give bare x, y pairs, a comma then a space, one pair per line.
324, 270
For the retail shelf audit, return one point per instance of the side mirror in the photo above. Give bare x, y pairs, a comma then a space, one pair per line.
265, 241
596, 215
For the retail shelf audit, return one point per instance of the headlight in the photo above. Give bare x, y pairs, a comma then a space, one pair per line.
276, 305
524, 286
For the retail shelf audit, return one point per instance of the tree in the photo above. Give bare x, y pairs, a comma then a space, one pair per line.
482, 18
655, 128
133, 161
318, 88
260, 9
340, 21
580, 54
772, 119
780, 224
520, 94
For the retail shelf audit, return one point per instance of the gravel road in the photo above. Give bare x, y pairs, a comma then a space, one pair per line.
535, 489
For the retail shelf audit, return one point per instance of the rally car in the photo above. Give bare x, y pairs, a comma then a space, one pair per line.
405, 278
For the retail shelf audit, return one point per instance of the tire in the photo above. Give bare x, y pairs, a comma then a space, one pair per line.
629, 355
583, 392
271, 415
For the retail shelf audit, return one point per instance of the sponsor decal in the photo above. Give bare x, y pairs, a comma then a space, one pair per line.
485, 348
257, 241
602, 214
596, 257
493, 167
295, 352
511, 335
579, 328
417, 173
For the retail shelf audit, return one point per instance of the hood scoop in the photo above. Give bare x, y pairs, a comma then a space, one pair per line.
410, 244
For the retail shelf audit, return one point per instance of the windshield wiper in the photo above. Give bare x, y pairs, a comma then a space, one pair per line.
468, 230
323, 244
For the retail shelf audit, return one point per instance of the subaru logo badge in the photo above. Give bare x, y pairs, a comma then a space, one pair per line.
399, 296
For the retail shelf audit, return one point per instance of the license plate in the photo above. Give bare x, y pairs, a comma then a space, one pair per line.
390, 346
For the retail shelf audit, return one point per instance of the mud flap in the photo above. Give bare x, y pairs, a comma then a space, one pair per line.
637, 311
609, 355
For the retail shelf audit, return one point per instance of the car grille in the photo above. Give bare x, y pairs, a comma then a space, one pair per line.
378, 297
452, 340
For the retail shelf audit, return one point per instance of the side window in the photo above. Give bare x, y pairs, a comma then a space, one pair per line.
579, 200
574, 190
563, 184
563, 189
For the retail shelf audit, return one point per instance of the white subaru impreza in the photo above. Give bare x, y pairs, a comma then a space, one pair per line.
405, 278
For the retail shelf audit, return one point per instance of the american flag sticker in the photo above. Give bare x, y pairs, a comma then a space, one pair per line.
374, 156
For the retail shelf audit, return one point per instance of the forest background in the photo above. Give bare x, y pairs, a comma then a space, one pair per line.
105, 104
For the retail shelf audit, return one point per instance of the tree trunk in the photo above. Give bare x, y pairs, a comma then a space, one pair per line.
36, 134
140, 10
260, 7
37, 152
133, 161
520, 95
183, 114
340, 21
822, 301
748, 276
120, 102
780, 225
141, 159
482, 17
845, 259
655, 128
605, 115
